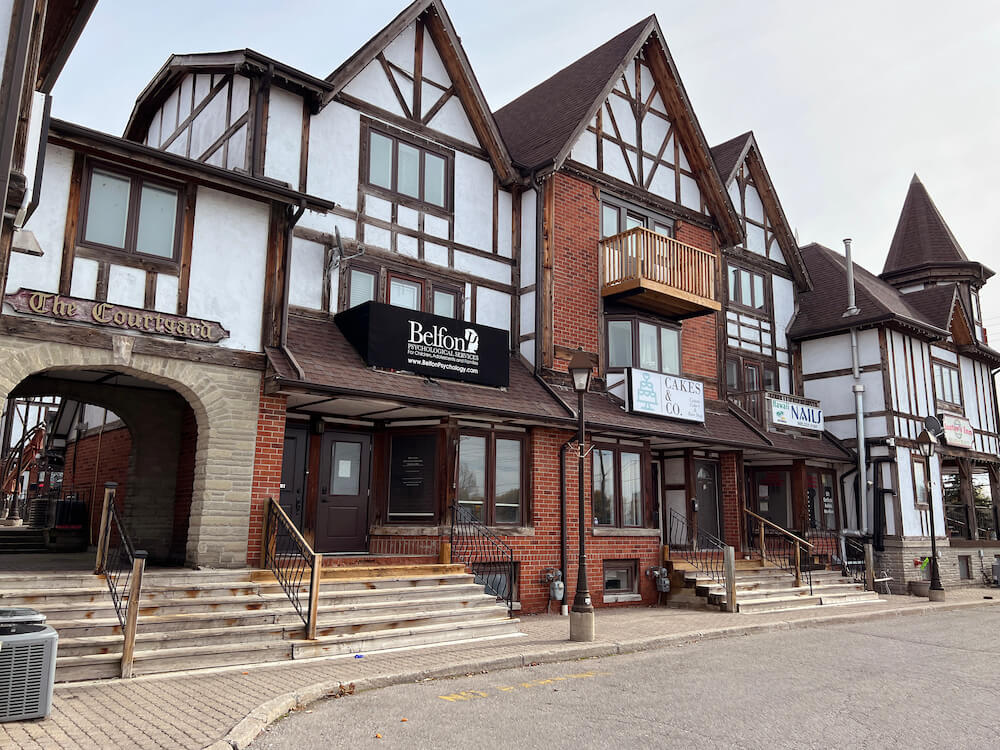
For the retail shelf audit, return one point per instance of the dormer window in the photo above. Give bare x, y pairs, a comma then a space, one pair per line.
407, 169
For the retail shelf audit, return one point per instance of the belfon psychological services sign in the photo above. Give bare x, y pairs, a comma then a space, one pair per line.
665, 395
399, 339
791, 414
108, 315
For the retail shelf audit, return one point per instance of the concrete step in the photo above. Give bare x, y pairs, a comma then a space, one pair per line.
411, 636
778, 603
154, 641
849, 597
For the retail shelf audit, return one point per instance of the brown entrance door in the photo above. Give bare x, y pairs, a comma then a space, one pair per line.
293, 474
342, 509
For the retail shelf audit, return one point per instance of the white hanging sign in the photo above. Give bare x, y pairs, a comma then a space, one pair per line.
958, 431
791, 414
666, 395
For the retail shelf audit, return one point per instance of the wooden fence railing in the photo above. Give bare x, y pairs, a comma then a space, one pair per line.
640, 253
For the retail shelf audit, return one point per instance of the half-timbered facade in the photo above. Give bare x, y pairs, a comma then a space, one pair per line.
922, 353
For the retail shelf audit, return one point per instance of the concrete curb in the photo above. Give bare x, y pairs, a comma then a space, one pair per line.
247, 730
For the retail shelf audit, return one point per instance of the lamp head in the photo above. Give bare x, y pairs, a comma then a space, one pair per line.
926, 442
581, 370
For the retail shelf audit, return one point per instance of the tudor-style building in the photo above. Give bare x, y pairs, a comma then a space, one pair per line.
922, 352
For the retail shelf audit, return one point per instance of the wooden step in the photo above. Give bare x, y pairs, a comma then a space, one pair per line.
777, 604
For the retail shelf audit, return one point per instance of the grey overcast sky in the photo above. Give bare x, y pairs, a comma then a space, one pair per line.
847, 99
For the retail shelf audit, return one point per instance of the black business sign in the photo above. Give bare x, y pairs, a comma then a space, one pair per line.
399, 339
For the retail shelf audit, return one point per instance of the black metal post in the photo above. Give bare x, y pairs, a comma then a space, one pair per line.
581, 601
935, 573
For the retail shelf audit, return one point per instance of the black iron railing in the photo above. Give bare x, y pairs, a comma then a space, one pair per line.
293, 562
779, 547
489, 558
65, 508
825, 547
122, 566
853, 562
700, 549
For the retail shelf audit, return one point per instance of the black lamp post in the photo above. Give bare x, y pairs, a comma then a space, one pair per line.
926, 442
581, 618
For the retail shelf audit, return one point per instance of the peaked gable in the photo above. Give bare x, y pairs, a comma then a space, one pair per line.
622, 109
922, 237
415, 69
766, 229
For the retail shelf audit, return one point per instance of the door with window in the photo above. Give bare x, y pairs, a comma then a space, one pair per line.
293, 474
706, 489
342, 507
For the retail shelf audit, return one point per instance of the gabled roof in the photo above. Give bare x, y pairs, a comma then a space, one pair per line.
541, 126
453, 56
728, 157
244, 61
821, 311
924, 243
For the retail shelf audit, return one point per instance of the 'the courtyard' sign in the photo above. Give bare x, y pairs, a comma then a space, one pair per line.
958, 431
396, 338
791, 414
106, 314
665, 395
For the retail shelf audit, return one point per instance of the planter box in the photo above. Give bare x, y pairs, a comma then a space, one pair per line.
920, 588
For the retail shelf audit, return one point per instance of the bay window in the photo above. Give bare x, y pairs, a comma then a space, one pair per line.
491, 483
617, 496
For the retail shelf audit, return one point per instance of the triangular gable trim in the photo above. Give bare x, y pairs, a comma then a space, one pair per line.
714, 192
444, 36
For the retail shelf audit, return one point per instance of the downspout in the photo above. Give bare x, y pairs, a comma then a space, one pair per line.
564, 604
859, 393
283, 334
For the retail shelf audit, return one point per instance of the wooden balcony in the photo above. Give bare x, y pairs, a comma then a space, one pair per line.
657, 273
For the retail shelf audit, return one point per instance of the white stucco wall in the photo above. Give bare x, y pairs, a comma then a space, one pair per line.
473, 202
306, 280
228, 259
127, 286
493, 308
284, 136
334, 148
48, 224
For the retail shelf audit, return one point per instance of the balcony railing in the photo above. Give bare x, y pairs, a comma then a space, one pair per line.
658, 273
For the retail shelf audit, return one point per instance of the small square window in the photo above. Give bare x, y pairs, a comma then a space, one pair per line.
362, 285
620, 581
445, 303
405, 293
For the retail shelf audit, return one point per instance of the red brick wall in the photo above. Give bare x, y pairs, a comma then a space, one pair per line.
98, 458
576, 296
185, 484
732, 503
266, 466
699, 336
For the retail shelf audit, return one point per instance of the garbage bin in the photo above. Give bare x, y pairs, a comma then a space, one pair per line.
996, 573
21, 614
27, 670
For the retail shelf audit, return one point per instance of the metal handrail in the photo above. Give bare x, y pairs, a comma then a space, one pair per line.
784, 550
489, 558
702, 550
853, 563
294, 563
122, 566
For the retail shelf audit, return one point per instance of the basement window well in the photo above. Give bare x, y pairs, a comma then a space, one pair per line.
621, 584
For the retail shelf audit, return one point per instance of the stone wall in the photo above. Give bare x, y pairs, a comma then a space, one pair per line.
897, 561
225, 403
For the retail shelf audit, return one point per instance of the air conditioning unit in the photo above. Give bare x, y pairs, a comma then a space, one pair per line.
27, 670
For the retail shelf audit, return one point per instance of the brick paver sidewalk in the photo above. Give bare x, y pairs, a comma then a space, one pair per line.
229, 707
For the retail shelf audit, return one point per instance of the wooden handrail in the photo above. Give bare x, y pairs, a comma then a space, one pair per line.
775, 526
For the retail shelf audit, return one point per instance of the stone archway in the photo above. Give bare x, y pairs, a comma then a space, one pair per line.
225, 404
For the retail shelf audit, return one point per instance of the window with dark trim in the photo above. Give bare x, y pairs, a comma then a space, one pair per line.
746, 379
947, 384
401, 166
617, 487
440, 298
978, 330
491, 476
618, 216
131, 213
921, 482
633, 342
747, 288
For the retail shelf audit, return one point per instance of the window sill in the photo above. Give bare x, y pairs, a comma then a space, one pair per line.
610, 598
616, 531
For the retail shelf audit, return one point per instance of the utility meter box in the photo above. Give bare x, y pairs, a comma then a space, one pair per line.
996, 573
27, 670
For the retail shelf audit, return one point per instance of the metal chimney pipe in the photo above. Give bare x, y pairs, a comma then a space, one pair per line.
852, 307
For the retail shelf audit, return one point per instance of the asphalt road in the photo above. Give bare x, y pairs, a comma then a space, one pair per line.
906, 682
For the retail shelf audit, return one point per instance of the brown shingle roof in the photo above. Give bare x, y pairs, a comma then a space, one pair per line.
330, 363
537, 125
934, 303
922, 237
727, 155
822, 310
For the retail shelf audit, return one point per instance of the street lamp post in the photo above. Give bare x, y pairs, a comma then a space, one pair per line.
926, 442
581, 616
